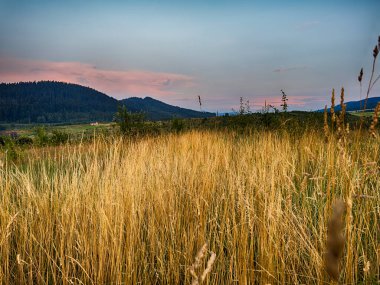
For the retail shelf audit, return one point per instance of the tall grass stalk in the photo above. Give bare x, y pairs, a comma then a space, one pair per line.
137, 212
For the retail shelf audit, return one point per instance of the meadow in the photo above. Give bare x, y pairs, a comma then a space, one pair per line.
249, 208
99, 186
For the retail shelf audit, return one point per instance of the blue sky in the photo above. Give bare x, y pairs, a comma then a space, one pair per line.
176, 50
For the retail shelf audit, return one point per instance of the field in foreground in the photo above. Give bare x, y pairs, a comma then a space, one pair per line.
137, 212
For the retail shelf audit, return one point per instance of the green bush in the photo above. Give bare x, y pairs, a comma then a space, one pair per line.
129, 123
9, 148
177, 125
24, 141
59, 137
41, 136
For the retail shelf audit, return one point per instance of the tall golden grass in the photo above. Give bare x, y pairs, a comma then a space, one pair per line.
138, 212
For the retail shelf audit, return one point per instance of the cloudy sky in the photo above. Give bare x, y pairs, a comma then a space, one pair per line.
177, 50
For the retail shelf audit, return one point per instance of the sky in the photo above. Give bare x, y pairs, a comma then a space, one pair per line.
176, 50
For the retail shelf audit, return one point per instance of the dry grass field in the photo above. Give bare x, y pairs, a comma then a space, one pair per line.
138, 212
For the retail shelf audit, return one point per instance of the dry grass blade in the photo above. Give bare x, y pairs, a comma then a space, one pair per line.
332, 109
335, 240
325, 124
200, 276
375, 120
85, 213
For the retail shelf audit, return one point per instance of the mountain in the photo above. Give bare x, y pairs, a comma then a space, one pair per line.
157, 110
58, 102
358, 105
53, 102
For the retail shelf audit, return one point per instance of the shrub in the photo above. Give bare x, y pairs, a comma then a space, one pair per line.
59, 137
24, 141
177, 125
41, 136
129, 122
13, 135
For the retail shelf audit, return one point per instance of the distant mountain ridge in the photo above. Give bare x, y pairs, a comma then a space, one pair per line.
357, 105
59, 102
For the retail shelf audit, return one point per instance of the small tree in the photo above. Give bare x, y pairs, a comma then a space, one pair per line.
274, 108
177, 125
241, 108
41, 136
247, 107
59, 137
284, 100
127, 120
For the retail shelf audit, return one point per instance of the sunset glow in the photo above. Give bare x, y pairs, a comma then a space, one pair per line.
177, 51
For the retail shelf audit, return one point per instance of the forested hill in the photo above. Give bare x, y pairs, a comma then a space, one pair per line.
58, 102
357, 105
157, 110
53, 102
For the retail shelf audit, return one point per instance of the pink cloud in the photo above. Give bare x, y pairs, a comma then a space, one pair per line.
117, 83
298, 101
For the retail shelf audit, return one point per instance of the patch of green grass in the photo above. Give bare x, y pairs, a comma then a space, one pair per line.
362, 114
78, 129
83, 128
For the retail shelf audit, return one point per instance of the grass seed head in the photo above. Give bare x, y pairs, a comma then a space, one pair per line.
335, 240
343, 108
375, 120
332, 109
360, 77
375, 51
198, 278
325, 124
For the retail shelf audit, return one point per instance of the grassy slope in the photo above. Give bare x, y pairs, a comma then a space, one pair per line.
129, 212
364, 114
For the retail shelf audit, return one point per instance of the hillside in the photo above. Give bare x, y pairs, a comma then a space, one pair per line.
58, 102
358, 105
157, 110
53, 102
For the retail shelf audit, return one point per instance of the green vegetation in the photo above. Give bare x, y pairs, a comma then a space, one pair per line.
127, 121
133, 124
53, 102
362, 114
284, 100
